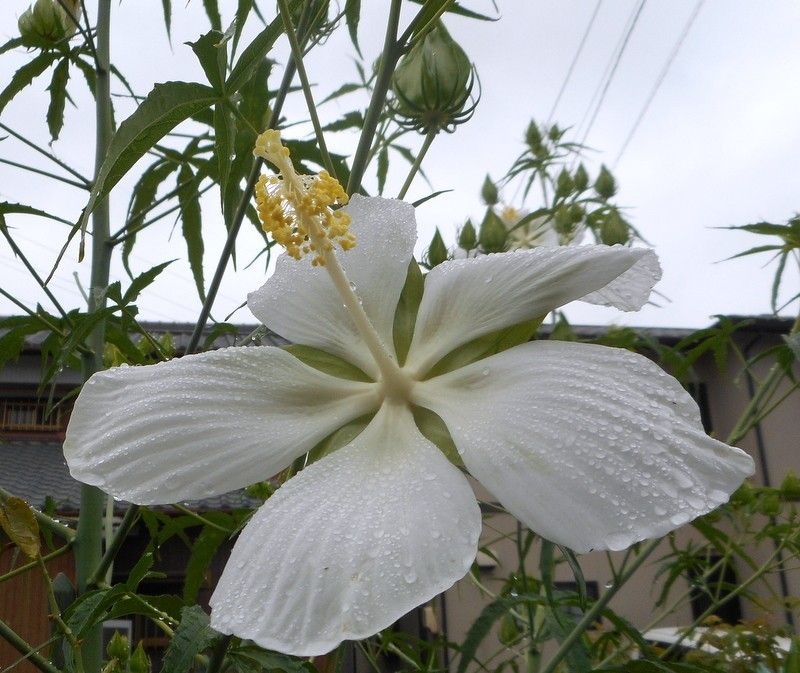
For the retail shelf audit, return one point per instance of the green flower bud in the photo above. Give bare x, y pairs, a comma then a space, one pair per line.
790, 487
576, 213
562, 222
509, 631
605, 185
139, 662
564, 184
613, 229
433, 83
492, 234
581, 178
437, 250
555, 133
489, 192
533, 137
467, 239
118, 648
47, 23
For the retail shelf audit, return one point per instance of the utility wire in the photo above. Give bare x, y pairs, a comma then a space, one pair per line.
611, 70
661, 77
574, 62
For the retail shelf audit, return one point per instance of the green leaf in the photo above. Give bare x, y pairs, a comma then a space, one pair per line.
13, 43
224, 139
25, 75
166, 6
383, 169
792, 662
339, 438
486, 345
142, 281
351, 120
243, 8
253, 55
139, 571
58, 98
166, 106
191, 225
326, 362
203, 551
192, 636
269, 661
405, 315
352, 14
212, 53
7, 208
91, 608
341, 91
419, 202
776, 282
212, 11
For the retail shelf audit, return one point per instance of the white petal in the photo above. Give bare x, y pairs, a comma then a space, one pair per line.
465, 299
350, 544
591, 447
631, 290
203, 424
299, 301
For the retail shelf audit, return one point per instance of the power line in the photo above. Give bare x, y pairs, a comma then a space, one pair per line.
611, 70
661, 77
574, 62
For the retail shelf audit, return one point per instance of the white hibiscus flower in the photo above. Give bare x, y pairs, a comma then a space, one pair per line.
591, 447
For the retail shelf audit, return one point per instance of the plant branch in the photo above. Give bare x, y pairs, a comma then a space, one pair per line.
21, 570
28, 651
47, 174
116, 544
418, 162
86, 183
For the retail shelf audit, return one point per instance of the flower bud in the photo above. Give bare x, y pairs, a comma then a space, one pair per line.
433, 83
467, 239
576, 213
555, 133
605, 185
140, 662
437, 251
47, 23
489, 192
581, 178
562, 221
118, 648
613, 229
492, 234
564, 184
533, 137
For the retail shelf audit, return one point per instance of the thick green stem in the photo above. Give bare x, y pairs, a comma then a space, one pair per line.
25, 649
113, 548
417, 162
389, 57
89, 540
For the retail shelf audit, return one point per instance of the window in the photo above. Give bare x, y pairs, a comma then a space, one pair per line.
23, 415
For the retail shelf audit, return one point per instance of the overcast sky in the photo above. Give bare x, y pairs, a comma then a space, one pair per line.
717, 147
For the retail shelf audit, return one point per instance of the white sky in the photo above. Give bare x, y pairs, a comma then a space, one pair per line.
718, 146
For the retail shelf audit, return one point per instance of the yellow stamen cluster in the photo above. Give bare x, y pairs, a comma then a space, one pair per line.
296, 210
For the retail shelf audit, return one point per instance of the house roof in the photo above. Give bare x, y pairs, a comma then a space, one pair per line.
35, 470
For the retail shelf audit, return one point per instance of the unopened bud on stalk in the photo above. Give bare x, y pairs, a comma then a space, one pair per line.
47, 23
605, 185
613, 229
533, 137
467, 238
437, 251
576, 213
433, 84
564, 184
140, 662
118, 648
489, 192
492, 234
562, 221
581, 178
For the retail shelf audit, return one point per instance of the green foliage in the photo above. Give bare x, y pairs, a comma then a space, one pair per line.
192, 636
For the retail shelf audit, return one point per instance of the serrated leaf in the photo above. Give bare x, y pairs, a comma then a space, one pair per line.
212, 53
212, 12
352, 15
191, 637
7, 208
243, 8
139, 571
419, 202
25, 75
166, 7
486, 345
776, 282
351, 120
142, 281
13, 43
19, 523
254, 54
341, 91
270, 661
326, 362
405, 315
224, 140
203, 550
58, 98
191, 226
166, 106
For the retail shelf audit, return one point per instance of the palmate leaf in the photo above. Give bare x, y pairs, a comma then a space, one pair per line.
254, 54
166, 106
212, 53
25, 75
58, 98
191, 221
352, 15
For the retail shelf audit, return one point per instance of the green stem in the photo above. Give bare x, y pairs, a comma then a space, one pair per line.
297, 56
55, 615
390, 55
27, 650
44, 521
47, 154
88, 542
33, 564
218, 655
47, 174
116, 543
417, 162
594, 612
201, 519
